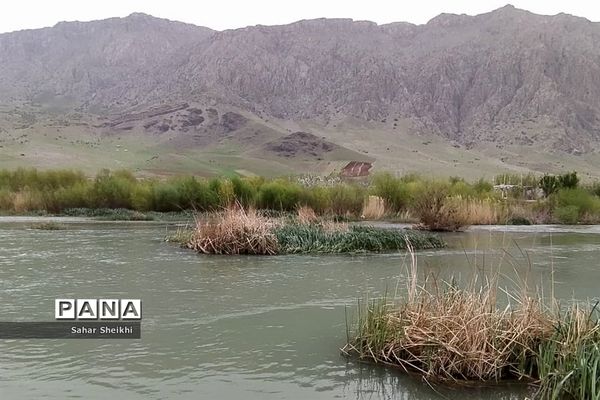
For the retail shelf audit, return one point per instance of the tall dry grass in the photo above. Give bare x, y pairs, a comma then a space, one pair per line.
528, 212
446, 333
373, 208
480, 211
234, 231
25, 200
437, 211
307, 215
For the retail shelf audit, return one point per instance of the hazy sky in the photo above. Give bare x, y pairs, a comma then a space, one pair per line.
225, 14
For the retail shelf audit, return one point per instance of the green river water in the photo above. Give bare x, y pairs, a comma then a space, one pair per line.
218, 327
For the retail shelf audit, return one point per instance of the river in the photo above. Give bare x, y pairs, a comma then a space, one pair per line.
217, 327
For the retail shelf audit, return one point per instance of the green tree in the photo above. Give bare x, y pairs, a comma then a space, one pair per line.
393, 192
569, 180
549, 184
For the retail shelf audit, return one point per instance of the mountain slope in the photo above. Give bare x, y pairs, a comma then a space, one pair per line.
492, 87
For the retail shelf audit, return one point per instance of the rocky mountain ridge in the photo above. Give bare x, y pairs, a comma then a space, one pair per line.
507, 78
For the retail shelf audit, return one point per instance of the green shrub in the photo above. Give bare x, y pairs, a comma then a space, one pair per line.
76, 195
569, 180
22, 178
193, 194
436, 210
461, 189
205, 199
549, 184
279, 195
318, 198
226, 194
244, 192
594, 189
166, 197
483, 187
112, 190
347, 199
142, 196
583, 201
393, 191
567, 214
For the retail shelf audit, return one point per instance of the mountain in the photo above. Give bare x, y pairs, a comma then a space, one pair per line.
506, 90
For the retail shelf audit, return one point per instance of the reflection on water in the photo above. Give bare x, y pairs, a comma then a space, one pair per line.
368, 382
240, 327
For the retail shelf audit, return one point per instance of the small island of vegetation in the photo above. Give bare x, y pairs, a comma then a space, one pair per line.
239, 231
446, 333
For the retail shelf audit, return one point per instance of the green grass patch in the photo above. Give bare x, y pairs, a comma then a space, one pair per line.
317, 238
569, 361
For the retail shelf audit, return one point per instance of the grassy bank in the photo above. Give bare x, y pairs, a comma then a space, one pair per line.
434, 204
239, 231
447, 333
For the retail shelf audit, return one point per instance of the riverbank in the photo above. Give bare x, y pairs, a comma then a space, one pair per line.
100, 214
434, 204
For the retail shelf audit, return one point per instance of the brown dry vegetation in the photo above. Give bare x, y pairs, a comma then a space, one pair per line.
480, 211
239, 231
446, 333
234, 231
307, 215
437, 211
373, 209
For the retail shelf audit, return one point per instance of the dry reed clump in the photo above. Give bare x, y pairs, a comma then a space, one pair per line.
454, 335
437, 211
526, 213
461, 335
373, 208
447, 333
234, 231
405, 216
479, 212
451, 334
24, 201
307, 215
